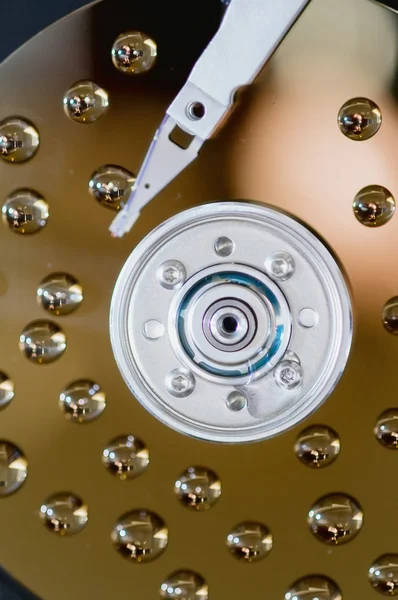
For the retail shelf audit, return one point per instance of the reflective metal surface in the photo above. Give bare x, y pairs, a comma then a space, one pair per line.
282, 147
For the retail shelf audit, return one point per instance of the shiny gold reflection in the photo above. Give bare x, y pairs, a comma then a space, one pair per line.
314, 587
13, 468
198, 488
383, 574
134, 53
64, 513
82, 401
111, 185
374, 205
386, 429
359, 119
317, 446
85, 102
140, 535
25, 211
19, 139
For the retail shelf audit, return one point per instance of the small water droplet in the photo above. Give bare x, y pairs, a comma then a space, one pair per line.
133, 53
250, 541
140, 535
386, 429
60, 293
383, 574
390, 315
25, 211
82, 401
374, 205
13, 468
6, 390
198, 488
335, 519
126, 457
317, 446
187, 585
42, 341
224, 246
85, 102
314, 587
64, 513
111, 185
359, 119
19, 139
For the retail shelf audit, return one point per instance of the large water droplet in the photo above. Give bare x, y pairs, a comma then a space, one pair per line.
374, 205
111, 185
19, 139
42, 341
85, 102
13, 468
6, 390
250, 541
25, 211
64, 513
198, 488
82, 401
317, 446
314, 587
60, 293
390, 315
359, 119
186, 585
126, 457
335, 519
140, 535
383, 574
134, 53
386, 429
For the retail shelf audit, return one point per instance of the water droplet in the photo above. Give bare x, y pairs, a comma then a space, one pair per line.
111, 185
187, 585
383, 574
134, 53
386, 429
42, 341
25, 211
374, 205
317, 446
85, 102
224, 246
59, 293
280, 266
6, 390
314, 587
13, 468
82, 401
126, 457
390, 315
64, 513
198, 488
19, 139
140, 535
335, 519
359, 119
250, 541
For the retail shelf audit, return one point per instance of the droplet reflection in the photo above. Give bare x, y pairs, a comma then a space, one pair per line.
126, 457
359, 119
383, 574
60, 293
250, 541
314, 587
42, 341
13, 468
140, 535
25, 211
111, 185
198, 488
317, 446
390, 315
133, 53
6, 390
19, 139
335, 519
64, 513
187, 585
386, 429
374, 205
85, 102
82, 401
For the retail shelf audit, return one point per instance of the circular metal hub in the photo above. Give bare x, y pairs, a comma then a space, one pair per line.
269, 320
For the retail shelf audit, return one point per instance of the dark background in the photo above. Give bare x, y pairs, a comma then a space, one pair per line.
25, 18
